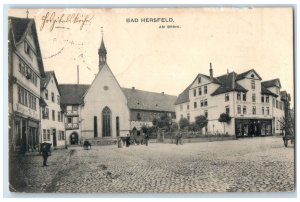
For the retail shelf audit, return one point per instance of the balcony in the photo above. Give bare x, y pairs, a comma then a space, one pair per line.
71, 126
71, 113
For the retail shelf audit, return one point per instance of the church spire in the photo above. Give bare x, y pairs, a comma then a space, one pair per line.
102, 52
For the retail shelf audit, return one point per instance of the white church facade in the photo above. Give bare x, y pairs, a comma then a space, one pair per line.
102, 111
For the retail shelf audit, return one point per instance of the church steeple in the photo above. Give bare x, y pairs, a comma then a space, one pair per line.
102, 53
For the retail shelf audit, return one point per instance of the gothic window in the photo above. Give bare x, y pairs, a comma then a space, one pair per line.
106, 122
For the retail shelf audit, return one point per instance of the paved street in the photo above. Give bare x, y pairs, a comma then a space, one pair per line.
252, 164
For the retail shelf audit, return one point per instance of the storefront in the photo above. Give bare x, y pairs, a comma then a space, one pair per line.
253, 127
26, 134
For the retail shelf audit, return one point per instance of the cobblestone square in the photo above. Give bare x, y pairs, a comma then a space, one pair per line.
244, 165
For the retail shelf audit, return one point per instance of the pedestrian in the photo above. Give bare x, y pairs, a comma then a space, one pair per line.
146, 138
127, 140
180, 137
45, 152
177, 137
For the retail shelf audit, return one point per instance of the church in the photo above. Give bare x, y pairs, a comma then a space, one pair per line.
102, 111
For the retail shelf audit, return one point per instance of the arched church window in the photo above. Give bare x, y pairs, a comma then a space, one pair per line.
106, 122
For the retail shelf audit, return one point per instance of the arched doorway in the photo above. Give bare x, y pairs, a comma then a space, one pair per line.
106, 122
74, 138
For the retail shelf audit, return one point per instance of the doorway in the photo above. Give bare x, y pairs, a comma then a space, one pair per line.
74, 138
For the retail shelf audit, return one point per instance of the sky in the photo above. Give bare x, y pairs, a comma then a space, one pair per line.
145, 55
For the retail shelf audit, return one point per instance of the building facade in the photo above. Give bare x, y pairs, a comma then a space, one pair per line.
104, 110
25, 70
52, 122
255, 107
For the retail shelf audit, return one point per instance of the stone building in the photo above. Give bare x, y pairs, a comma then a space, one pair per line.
256, 107
104, 110
25, 70
52, 122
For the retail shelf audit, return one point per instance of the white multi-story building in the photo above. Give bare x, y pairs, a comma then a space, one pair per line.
25, 69
256, 107
52, 122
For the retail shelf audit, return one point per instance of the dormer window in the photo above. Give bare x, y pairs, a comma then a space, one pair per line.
199, 79
252, 75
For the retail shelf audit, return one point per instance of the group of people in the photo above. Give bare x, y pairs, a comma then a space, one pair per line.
136, 139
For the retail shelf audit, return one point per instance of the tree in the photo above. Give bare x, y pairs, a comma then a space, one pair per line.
201, 121
184, 122
174, 127
224, 118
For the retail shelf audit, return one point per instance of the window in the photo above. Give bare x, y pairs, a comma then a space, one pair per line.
252, 83
277, 104
61, 116
195, 104
226, 97
273, 102
44, 134
280, 105
239, 109
244, 97
26, 48
267, 110
22, 67
263, 111
48, 134
26, 98
53, 115
205, 102
47, 113
253, 98
75, 108
180, 107
187, 106
267, 99
244, 110
52, 97
200, 91
205, 89
194, 92
59, 135
46, 94
188, 116
58, 116
238, 96
63, 135
227, 110
201, 103
106, 122
262, 99
69, 120
206, 113
138, 116
199, 79
254, 110
58, 99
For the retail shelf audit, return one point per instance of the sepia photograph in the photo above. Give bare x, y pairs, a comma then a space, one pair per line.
151, 100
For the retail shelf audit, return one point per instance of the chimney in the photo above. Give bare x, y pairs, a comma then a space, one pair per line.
163, 93
211, 72
233, 80
133, 88
77, 74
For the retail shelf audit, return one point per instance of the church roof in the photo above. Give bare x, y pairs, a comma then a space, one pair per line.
72, 94
145, 100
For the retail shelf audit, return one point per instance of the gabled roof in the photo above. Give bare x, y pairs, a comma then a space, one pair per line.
45, 80
228, 84
19, 28
184, 96
265, 91
71, 94
271, 83
243, 75
145, 100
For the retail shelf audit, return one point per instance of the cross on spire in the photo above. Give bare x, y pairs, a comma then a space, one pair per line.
102, 31
27, 13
